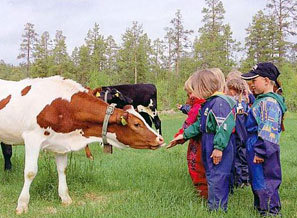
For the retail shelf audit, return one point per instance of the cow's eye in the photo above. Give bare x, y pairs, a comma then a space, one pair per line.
137, 124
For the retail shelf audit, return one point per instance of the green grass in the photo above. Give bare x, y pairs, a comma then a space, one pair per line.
135, 183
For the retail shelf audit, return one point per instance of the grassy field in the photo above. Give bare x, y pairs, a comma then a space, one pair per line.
135, 183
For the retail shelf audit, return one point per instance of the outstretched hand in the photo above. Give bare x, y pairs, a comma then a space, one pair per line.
179, 106
177, 140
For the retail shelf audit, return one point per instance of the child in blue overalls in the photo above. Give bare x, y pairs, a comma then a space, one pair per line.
264, 125
215, 124
238, 89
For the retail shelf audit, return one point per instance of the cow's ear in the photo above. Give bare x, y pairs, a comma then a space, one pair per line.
95, 91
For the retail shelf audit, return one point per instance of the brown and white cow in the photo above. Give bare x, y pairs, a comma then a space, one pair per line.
61, 116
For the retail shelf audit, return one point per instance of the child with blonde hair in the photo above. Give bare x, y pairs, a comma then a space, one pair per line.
214, 124
218, 72
194, 154
249, 96
237, 88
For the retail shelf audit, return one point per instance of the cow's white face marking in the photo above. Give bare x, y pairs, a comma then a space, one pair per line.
147, 109
132, 111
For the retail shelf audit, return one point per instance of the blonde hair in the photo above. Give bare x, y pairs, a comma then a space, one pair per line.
240, 86
188, 87
237, 85
233, 74
205, 83
218, 73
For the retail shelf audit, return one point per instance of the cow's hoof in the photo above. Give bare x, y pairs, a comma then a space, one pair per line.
21, 209
67, 201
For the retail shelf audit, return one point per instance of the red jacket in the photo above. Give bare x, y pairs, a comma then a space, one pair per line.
192, 115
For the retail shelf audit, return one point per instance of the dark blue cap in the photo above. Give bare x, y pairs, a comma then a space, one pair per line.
265, 69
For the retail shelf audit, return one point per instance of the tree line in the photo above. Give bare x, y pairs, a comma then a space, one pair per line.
167, 62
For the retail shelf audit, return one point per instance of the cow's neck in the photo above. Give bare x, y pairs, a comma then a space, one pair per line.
91, 109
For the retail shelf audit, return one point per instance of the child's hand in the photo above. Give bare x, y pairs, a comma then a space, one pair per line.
258, 160
177, 140
216, 156
178, 106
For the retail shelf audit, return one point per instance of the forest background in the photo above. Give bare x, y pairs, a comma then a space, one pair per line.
166, 62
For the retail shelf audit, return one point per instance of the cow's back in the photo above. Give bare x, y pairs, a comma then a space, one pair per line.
27, 99
141, 94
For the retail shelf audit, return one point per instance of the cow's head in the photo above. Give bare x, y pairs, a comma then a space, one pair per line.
126, 128
112, 95
133, 132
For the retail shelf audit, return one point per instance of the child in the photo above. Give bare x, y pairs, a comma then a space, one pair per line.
194, 156
215, 124
220, 75
264, 124
235, 74
237, 88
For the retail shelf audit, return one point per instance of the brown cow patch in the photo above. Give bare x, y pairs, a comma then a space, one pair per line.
84, 111
25, 90
4, 102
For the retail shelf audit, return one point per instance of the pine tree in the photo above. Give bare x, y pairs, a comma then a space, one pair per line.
62, 63
285, 13
96, 45
178, 39
261, 39
158, 59
215, 47
133, 57
111, 51
42, 56
27, 45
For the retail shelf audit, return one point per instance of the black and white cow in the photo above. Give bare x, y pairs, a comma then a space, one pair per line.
112, 95
144, 98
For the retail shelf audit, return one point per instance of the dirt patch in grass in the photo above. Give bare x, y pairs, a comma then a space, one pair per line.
50, 210
93, 198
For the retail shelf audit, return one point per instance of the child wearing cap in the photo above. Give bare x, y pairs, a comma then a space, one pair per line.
264, 125
194, 156
215, 123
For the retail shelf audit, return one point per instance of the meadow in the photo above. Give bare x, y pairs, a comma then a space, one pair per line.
136, 183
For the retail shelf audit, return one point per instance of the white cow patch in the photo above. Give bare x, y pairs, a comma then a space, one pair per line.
132, 111
147, 109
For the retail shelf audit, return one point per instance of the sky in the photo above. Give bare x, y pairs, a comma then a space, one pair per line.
76, 17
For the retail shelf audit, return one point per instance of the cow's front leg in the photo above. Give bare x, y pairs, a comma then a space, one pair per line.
32, 149
61, 161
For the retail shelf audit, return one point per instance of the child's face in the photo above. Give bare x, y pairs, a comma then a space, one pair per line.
231, 92
191, 98
259, 85
188, 98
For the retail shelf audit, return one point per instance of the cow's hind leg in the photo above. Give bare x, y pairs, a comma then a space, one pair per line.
61, 161
32, 149
7, 153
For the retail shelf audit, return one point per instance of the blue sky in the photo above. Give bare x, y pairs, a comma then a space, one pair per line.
76, 17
